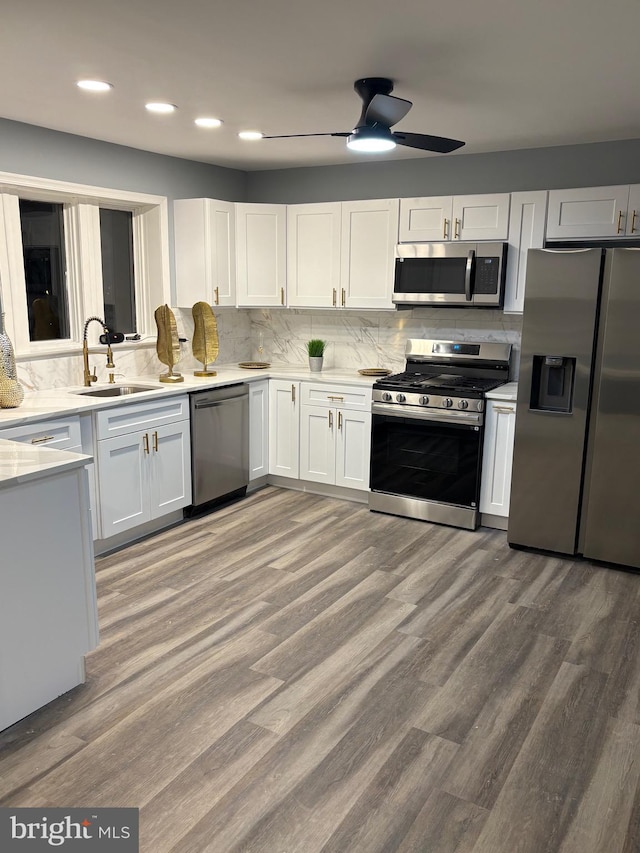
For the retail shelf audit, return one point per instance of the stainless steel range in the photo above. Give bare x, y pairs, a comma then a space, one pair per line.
427, 430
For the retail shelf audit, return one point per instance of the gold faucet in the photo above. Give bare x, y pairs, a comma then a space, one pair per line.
88, 376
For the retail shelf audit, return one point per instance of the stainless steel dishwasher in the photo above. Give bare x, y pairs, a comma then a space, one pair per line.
219, 446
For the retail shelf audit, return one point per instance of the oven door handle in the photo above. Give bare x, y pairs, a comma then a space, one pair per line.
457, 418
467, 275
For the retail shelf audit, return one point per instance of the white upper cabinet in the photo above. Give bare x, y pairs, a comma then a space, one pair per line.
313, 255
261, 231
594, 212
369, 236
526, 231
424, 219
442, 218
205, 253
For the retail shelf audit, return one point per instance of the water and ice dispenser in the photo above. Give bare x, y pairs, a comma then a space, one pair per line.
552, 383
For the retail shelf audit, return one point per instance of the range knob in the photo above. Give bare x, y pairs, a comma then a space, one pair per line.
463, 404
386, 397
424, 401
447, 402
400, 398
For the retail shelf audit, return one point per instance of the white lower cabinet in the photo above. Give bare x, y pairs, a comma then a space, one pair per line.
145, 473
258, 429
284, 428
335, 440
497, 462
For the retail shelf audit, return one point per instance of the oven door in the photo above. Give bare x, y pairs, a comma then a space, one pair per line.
430, 460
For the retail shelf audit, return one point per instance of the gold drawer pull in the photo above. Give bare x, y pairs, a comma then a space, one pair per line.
633, 221
217, 296
335, 297
504, 409
456, 233
340, 399
446, 228
155, 441
339, 420
330, 419
344, 297
40, 440
293, 393
145, 442
282, 296
619, 228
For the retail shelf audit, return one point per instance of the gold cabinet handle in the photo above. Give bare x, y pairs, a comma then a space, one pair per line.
293, 393
339, 420
446, 228
335, 297
456, 234
217, 292
339, 399
619, 228
155, 441
344, 297
145, 442
505, 410
633, 222
282, 296
41, 439
330, 419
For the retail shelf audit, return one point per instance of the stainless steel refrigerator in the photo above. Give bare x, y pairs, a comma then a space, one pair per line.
576, 467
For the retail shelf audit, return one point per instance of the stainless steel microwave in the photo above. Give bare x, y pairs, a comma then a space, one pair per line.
461, 275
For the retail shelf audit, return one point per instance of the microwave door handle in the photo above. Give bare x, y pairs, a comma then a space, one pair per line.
467, 275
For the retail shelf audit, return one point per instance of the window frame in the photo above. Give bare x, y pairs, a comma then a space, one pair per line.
83, 258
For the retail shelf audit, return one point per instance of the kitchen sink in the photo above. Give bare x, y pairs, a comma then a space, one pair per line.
116, 390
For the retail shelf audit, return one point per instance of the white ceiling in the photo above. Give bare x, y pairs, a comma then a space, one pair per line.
499, 74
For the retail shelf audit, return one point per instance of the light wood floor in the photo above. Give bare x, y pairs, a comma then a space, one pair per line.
296, 674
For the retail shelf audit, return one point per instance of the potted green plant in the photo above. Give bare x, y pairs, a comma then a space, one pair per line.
315, 351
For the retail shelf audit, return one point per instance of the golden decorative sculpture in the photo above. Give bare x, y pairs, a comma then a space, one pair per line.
205, 337
168, 345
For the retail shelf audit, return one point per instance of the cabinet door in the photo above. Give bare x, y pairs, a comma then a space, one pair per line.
481, 217
258, 429
633, 214
284, 428
588, 212
425, 219
170, 468
353, 447
497, 461
204, 233
261, 254
123, 478
313, 255
526, 231
369, 237
318, 444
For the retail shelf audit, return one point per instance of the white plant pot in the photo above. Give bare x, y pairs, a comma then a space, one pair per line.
315, 363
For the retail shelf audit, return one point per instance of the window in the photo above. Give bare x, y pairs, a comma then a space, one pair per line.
118, 282
69, 252
41, 224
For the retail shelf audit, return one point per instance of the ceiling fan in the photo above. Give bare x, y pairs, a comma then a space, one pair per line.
380, 110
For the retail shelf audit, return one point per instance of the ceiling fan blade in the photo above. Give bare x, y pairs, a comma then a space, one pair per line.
440, 144
386, 109
294, 135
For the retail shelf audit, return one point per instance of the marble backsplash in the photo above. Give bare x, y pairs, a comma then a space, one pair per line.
140, 359
374, 338
355, 339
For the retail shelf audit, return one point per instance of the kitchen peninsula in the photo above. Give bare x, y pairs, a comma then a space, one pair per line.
48, 617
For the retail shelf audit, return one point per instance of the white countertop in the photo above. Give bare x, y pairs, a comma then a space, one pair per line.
20, 463
41, 405
504, 392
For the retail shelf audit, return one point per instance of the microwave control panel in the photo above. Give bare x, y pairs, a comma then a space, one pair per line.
487, 275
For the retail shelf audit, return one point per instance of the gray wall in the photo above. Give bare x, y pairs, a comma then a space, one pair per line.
29, 150
596, 164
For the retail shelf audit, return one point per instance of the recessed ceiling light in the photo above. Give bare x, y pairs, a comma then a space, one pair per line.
208, 122
250, 134
94, 85
160, 107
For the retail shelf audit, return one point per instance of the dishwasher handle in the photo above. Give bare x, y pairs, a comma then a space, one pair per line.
217, 396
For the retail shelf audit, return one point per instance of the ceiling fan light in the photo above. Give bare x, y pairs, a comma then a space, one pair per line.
371, 140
